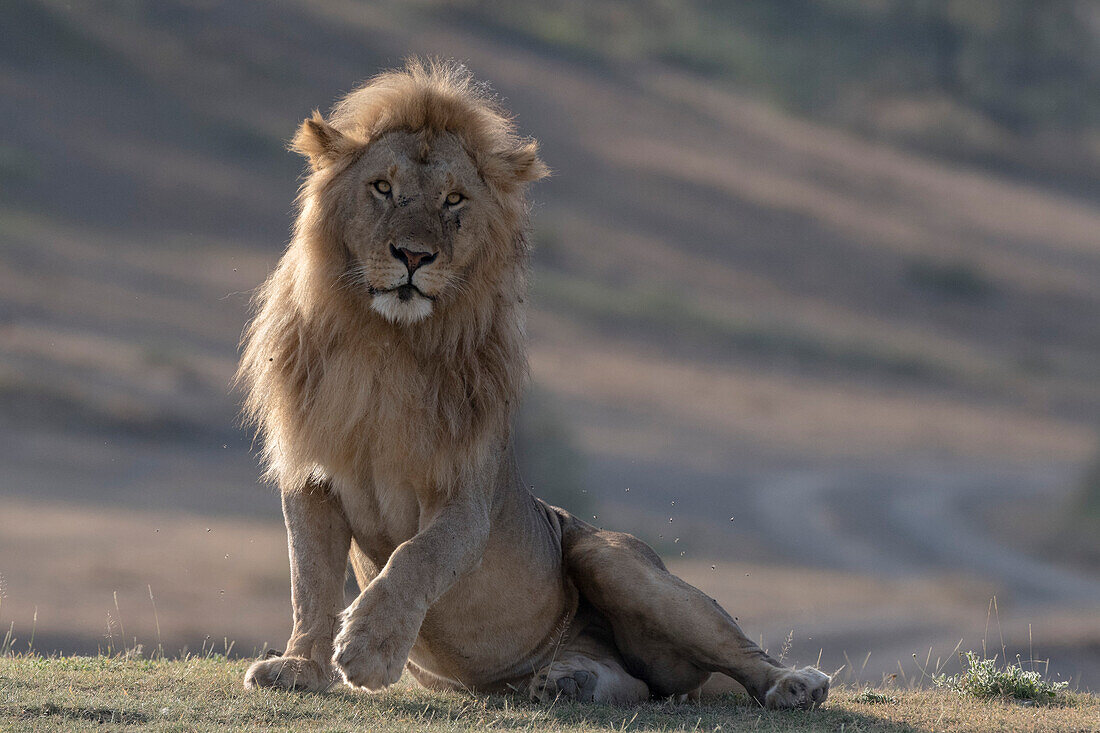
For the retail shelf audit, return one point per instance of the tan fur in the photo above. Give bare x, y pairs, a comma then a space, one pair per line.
382, 369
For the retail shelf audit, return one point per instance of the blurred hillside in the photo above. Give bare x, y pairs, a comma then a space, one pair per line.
1010, 85
799, 263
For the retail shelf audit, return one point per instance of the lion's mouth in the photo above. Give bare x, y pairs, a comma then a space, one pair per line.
407, 291
399, 304
404, 292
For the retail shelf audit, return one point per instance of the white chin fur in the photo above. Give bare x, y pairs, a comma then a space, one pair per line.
405, 312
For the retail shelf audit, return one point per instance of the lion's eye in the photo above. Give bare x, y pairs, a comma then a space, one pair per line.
382, 187
454, 198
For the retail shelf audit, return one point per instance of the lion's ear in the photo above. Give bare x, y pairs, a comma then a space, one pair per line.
320, 142
524, 163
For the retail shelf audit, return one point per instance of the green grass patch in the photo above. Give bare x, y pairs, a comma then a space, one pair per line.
985, 678
867, 696
205, 694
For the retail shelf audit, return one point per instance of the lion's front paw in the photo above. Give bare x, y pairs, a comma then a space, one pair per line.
288, 673
798, 688
373, 647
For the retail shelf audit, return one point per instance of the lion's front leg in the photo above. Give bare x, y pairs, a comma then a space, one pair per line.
382, 624
319, 539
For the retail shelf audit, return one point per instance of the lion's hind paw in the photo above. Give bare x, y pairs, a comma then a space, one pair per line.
557, 681
804, 688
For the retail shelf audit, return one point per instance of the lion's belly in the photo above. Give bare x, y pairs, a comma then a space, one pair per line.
498, 622
500, 619
503, 618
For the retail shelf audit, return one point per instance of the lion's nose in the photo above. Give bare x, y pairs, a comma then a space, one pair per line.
411, 257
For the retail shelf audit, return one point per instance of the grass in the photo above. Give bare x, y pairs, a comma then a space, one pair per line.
204, 694
867, 696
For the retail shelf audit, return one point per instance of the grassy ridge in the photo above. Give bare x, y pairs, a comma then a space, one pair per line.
204, 694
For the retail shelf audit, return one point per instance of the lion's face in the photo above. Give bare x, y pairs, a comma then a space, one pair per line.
413, 215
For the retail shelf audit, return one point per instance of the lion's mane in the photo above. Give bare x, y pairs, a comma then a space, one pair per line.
332, 387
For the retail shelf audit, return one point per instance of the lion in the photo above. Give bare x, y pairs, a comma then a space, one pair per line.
382, 369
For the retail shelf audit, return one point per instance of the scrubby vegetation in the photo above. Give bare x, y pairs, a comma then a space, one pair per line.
985, 678
1089, 493
1078, 522
551, 462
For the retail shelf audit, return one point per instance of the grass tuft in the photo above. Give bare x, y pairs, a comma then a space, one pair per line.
983, 679
870, 697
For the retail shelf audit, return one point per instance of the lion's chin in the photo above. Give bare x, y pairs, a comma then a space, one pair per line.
406, 311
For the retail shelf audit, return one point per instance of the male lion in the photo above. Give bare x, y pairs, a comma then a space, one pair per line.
382, 369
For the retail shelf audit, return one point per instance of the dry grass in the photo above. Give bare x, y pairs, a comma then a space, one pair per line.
205, 694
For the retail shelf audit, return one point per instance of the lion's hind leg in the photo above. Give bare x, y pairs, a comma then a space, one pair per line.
671, 635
